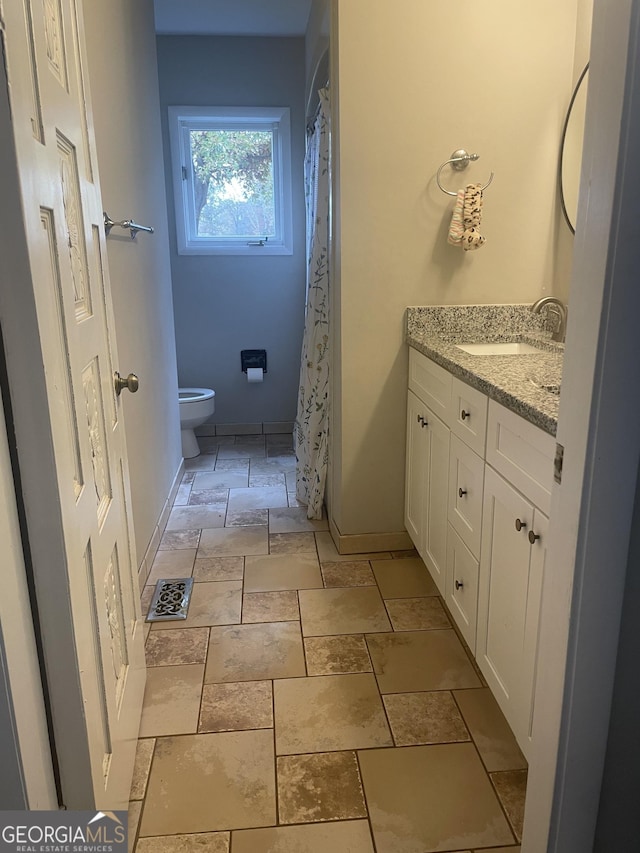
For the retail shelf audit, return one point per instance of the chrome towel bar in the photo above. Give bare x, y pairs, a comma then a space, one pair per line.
459, 160
125, 223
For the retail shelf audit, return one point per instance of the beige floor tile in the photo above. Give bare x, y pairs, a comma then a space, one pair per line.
204, 462
356, 610
515, 849
235, 466
511, 786
176, 646
203, 842
281, 571
214, 603
351, 573
174, 540
351, 836
431, 798
403, 578
182, 495
270, 606
246, 517
133, 821
218, 569
206, 782
188, 477
213, 498
417, 614
144, 754
255, 652
496, 743
327, 713
321, 787
190, 517
294, 502
246, 450
145, 599
337, 655
252, 498
328, 552
213, 480
416, 661
172, 564
404, 555
236, 707
171, 700
292, 543
421, 718
273, 465
234, 542
260, 481
294, 520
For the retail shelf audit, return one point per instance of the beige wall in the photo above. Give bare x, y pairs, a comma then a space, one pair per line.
410, 84
124, 87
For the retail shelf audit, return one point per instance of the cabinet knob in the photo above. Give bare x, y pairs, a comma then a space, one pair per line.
464, 415
520, 525
533, 536
461, 492
459, 584
419, 418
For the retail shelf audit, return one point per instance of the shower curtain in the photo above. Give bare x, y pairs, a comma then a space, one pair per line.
312, 419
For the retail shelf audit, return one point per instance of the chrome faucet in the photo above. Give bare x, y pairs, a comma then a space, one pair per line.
555, 307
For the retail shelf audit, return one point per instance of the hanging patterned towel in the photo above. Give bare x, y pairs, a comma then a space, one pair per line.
456, 229
471, 216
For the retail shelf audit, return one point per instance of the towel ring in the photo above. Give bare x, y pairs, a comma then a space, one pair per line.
459, 160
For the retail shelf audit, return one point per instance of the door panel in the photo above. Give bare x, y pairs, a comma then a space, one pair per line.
62, 212
416, 473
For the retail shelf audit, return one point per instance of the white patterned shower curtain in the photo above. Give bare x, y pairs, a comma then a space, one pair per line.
312, 419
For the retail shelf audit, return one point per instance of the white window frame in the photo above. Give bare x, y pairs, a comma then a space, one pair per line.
182, 119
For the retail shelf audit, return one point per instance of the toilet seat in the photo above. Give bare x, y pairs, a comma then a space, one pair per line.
195, 395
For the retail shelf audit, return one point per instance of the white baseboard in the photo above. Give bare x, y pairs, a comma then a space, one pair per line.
368, 543
150, 554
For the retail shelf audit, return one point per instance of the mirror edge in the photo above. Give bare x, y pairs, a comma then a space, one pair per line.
574, 95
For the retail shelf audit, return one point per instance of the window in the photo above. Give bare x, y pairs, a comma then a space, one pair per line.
232, 180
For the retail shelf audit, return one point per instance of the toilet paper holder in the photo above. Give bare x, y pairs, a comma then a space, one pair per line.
253, 358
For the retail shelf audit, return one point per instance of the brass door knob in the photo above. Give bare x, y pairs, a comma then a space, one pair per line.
131, 383
533, 537
459, 584
520, 525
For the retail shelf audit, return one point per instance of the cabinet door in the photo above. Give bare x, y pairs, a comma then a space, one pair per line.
462, 587
532, 625
466, 483
437, 480
503, 596
416, 472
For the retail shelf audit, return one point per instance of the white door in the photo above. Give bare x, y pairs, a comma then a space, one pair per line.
62, 212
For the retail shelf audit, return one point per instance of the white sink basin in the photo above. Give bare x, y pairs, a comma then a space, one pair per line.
499, 348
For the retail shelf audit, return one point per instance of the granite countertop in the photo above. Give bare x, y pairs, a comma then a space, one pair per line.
518, 382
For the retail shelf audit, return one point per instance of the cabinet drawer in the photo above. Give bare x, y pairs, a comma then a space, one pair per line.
431, 383
469, 415
522, 452
462, 587
466, 483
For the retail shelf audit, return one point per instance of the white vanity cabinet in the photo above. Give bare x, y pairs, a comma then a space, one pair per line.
478, 493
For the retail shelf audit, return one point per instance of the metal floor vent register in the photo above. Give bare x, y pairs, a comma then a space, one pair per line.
170, 600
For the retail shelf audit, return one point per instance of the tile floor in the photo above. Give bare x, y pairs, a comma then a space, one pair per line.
310, 702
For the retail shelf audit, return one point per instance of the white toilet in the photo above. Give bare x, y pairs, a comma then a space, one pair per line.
196, 405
